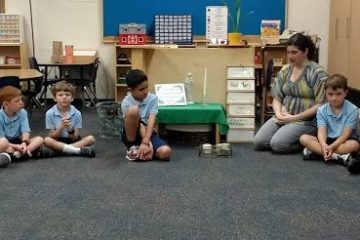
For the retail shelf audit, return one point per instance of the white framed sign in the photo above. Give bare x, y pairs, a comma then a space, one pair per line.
216, 24
170, 94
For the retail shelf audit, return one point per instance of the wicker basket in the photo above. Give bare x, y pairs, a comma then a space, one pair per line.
110, 120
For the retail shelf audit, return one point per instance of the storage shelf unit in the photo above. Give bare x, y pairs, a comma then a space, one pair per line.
127, 57
240, 103
13, 55
122, 55
10, 28
13, 52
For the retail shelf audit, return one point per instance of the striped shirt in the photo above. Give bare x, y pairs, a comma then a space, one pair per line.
302, 94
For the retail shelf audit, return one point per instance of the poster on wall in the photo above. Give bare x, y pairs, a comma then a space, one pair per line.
216, 24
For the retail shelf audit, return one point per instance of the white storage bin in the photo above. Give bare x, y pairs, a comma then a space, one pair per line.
237, 135
241, 123
240, 97
240, 72
241, 85
241, 110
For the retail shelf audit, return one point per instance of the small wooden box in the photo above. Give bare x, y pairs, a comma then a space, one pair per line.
238, 135
240, 97
241, 85
241, 110
241, 123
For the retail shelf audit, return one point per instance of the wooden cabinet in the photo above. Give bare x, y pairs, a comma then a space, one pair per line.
240, 103
354, 68
344, 49
13, 55
339, 37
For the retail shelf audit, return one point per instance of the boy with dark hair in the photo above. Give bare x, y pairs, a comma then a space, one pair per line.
337, 127
15, 140
64, 122
139, 109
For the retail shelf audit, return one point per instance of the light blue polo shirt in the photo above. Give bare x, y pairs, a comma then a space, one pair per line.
14, 127
53, 119
348, 118
148, 106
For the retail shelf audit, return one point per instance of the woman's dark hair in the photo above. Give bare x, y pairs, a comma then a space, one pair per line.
135, 77
303, 42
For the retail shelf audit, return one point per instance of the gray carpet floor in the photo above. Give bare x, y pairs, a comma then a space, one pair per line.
252, 195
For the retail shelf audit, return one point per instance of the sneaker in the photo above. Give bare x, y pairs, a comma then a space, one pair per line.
309, 155
16, 156
133, 153
5, 160
88, 151
353, 165
341, 159
45, 152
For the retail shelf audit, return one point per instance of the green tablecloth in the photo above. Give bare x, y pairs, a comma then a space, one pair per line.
194, 113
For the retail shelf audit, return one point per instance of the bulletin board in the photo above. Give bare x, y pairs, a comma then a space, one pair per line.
143, 11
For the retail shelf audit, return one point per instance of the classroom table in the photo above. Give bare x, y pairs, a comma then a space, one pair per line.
23, 74
197, 113
77, 62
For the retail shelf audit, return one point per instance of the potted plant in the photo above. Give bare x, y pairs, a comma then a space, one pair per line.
234, 36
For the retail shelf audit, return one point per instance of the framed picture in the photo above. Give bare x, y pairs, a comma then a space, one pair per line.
170, 94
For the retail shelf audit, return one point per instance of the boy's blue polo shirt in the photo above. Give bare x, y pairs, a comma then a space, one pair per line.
53, 119
348, 118
14, 127
148, 106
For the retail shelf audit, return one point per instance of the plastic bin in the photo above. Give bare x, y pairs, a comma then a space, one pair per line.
110, 120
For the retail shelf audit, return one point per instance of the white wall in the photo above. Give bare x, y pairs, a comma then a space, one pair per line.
313, 17
75, 22
79, 23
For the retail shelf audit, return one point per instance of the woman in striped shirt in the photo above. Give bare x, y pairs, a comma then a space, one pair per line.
298, 90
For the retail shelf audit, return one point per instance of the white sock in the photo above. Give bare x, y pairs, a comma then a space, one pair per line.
70, 149
335, 156
17, 154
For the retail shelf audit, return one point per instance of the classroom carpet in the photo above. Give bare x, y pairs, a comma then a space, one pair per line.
251, 195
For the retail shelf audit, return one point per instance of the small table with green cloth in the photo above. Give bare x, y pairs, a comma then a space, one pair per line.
196, 113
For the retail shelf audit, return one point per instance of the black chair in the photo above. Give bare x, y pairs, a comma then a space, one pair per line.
10, 81
33, 64
34, 89
87, 84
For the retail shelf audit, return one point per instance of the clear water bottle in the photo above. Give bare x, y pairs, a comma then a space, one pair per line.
189, 88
